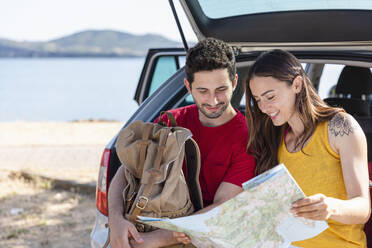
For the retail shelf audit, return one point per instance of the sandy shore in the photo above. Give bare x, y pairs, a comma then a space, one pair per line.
66, 150
34, 215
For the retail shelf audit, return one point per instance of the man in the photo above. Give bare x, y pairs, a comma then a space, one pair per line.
220, 131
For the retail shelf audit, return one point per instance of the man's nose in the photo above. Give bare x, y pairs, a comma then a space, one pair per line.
212, 99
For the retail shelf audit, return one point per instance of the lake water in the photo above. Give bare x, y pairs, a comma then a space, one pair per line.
66, 89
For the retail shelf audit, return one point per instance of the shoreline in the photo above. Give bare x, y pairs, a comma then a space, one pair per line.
63, 150
57, 133
90, 120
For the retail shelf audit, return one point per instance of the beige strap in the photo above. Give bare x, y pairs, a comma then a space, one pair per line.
143, 144
155, 173
129, 199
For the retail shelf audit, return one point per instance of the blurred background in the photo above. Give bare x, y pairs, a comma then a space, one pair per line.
73, 60
68, 74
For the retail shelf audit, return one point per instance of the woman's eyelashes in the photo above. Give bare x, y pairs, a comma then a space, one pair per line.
270, 97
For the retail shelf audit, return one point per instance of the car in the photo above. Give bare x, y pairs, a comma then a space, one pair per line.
332, 39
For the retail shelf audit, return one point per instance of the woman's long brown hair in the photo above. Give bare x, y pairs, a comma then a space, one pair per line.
265, 138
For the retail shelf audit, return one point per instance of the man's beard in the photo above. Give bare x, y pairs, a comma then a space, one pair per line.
213, 115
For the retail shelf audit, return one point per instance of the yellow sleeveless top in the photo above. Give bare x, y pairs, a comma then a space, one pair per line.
319, 171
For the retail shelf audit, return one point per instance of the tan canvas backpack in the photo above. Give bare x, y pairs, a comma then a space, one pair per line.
153, 155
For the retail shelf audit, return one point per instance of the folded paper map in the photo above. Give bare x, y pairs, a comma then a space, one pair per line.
257, 217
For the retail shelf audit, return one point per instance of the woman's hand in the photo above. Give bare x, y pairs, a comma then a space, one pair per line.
181, 238
315, 207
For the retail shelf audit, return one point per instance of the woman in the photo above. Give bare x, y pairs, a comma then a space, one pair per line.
323, 147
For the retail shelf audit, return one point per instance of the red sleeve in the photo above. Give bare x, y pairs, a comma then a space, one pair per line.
157, 120
242, 166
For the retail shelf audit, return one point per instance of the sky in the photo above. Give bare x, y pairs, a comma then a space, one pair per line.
42, 20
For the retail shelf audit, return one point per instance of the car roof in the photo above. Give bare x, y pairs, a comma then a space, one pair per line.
336, 25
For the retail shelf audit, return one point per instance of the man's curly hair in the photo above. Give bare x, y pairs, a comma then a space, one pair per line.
210, 54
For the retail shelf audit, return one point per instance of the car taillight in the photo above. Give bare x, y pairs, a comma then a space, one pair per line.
102, 184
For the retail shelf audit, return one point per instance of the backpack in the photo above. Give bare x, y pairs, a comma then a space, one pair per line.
153, 155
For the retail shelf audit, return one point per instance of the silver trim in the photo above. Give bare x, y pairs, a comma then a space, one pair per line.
308, 46
319, 61
99, 232
338, 62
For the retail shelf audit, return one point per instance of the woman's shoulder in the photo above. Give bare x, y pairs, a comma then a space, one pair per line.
344, 132
343, 124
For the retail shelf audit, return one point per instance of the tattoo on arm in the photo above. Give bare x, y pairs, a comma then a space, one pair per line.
339, 125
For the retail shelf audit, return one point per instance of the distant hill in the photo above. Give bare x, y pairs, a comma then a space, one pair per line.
91, 43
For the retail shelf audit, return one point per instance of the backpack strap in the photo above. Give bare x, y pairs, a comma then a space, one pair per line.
192, 159
172, 120
143, 144
155, 173
130, 196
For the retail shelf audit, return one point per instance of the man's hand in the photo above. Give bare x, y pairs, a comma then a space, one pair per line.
121, 231
225, 192
154, 239
181, 238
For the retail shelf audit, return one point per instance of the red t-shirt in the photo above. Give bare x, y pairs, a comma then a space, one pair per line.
222, 149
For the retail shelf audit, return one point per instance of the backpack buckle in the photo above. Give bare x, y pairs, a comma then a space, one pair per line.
143, 203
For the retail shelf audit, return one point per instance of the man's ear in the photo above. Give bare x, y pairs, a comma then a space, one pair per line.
235, 81
298, 84
187, 84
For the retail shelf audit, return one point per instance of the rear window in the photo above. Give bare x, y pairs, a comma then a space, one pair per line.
328, 81
221, 9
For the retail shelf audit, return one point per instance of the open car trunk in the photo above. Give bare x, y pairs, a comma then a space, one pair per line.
264, 24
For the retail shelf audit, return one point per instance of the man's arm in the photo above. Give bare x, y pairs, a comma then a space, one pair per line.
225, 192
121, 230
